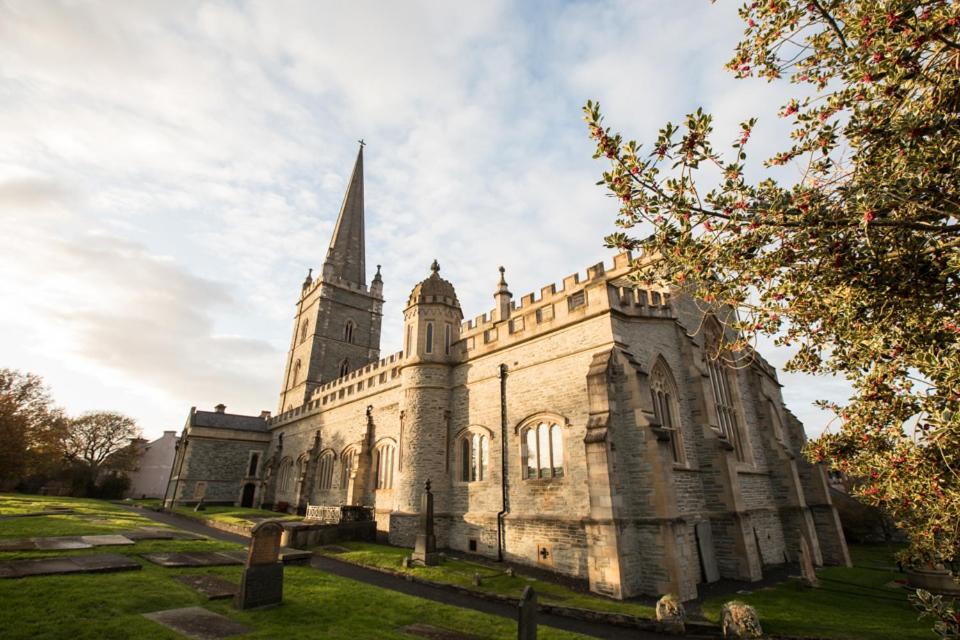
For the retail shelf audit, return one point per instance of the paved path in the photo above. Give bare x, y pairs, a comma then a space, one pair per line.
395, 583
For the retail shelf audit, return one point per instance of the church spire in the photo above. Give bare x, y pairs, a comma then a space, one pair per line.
345, 257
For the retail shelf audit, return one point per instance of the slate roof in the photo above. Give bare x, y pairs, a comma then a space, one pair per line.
214, 420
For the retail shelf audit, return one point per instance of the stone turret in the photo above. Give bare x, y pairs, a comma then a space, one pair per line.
431, 327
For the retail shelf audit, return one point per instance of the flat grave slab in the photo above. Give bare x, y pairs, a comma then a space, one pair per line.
148, 534
62, 543
106, 540
198, 623
34, 514
214, 587
195, 559
431, 632
289, 555
98, 563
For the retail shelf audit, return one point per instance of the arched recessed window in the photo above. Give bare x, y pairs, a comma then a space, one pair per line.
665, 406
722, 385
285, 475
344, 367
428, 347
775, 422
325, 471
348, 460
384, 465
296, 374
473, 452
409, 339
304, 330
447, 333
542, 454
348, 331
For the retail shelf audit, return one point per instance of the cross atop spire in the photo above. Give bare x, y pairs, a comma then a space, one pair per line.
345, 257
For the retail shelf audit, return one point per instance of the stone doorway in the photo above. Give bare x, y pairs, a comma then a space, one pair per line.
246, 500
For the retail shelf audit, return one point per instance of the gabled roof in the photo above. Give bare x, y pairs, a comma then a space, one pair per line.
215, 420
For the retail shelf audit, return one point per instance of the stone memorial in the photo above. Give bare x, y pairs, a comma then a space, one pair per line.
740, 621
262, 582
807, 572
671, 614
527, 615
425, 550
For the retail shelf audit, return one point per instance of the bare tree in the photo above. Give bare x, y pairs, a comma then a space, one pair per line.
95, 436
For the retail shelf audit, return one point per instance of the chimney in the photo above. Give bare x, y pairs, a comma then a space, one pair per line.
221, 408
265, 415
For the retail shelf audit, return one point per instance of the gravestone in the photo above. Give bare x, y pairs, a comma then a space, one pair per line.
425, 551
477, 580
807, 571
262, 582
527, 615
200, 506
198, 623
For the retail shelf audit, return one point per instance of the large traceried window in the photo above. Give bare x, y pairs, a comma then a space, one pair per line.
348, 460
473, 454
542, 444
666, 408
285, 475
383, 459
722, 385
325, 470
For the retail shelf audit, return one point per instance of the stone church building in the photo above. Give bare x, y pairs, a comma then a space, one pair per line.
583, 429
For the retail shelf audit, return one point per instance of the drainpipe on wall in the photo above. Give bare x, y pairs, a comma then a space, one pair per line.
503, 461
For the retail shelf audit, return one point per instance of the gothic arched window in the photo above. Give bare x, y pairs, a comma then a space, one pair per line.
348, 331
344, 367
542, 450
428, 347
722, 385
296, 373
348, 460
285, 475
473, 453
447, 334
304, 330
665, 406
776, 423
325, 471
384, 465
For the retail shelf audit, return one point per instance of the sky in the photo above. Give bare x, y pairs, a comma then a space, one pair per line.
169, 171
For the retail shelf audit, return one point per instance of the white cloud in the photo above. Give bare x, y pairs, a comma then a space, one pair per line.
168, 172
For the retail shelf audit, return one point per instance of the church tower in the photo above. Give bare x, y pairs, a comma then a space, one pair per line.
336, 328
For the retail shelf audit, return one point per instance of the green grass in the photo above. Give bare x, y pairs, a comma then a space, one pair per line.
91, 517
93, 606
851, 603
233, 515
493, 578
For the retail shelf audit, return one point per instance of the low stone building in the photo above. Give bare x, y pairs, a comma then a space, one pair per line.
219, 459
588, 429
152, 469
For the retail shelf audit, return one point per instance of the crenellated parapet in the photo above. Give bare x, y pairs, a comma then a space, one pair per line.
599, 289
369, 379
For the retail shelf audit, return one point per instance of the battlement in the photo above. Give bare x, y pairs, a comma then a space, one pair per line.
598, 289
337, 282
371, 376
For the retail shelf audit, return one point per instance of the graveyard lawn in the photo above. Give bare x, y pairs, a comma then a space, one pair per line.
233, 515
110, 605
493, 579
858, 603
